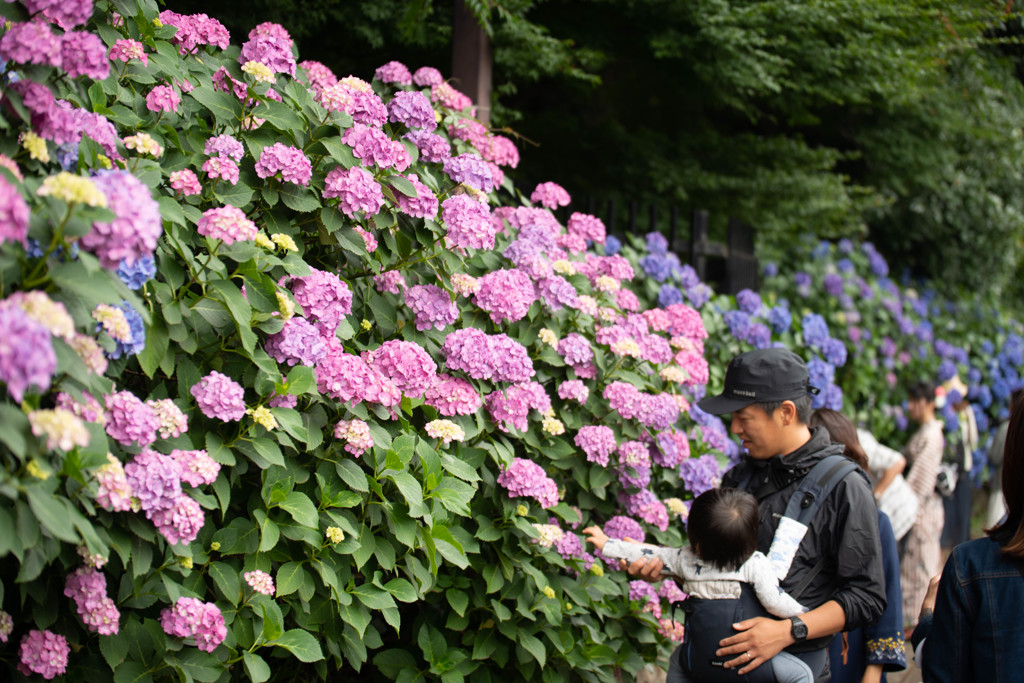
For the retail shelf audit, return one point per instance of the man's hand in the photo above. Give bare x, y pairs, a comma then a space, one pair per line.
759, 640
646, 568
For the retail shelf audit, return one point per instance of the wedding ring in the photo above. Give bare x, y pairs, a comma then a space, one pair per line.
748, 656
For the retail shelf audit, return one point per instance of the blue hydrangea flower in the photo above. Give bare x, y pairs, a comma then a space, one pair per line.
821, 373
878, 265
834, 284
833, 397
845, 265
701, 474
834, 352
612, 245
738, 323
983, 396
815, 330
925, 331
780, 319
138, 328
822, 250
67, 156
759, 335
771, 269
749, 302
987, 347
688, 277
669, 295
137, 274
803, 283
699, 294
845, 246
656, 243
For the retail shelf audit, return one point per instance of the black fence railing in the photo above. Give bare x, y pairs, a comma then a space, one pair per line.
728, 267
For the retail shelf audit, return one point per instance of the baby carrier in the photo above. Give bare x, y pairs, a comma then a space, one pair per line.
710, 621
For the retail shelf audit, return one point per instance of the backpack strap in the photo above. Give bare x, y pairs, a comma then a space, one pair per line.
814, 489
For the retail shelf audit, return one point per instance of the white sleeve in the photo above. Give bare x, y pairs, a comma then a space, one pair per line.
757, 571
674, 559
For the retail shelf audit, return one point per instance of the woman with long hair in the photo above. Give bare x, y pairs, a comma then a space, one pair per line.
866, 654
976, 633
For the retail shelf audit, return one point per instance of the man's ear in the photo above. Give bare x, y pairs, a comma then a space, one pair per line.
787, 411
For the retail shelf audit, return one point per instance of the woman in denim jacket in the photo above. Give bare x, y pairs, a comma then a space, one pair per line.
976, 633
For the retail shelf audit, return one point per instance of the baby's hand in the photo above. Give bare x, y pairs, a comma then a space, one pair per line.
596, 536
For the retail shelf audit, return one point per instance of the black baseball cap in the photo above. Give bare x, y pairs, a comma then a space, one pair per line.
760, 376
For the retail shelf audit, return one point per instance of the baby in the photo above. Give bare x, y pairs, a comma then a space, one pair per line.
719, 573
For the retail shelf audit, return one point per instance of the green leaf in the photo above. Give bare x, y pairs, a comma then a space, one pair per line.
269, 451
225, 107
52, 513
132, 672
373, 597
393, 662
202, 666
280, 116
289, 578
257, 669
238, 195
301, 380
301, 644
352, 475
225, 577
410, 489
157, 343
458, 600
273, 620
432, 643
298, 198
459, 468
228, 293
455, 495
401, 589
114, 649
301, 508
534, 646
403, 186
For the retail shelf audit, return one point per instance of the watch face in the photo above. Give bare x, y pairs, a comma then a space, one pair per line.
799, 629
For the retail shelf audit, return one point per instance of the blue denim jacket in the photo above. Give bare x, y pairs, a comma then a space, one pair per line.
977, 633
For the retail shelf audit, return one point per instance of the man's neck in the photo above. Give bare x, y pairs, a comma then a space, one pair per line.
799, 438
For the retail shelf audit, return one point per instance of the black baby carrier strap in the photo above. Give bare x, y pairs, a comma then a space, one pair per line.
707, 623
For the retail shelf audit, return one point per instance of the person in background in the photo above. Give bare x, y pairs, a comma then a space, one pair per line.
892, 492
976, 633
922, 555
960, 445
864, 655
996, 506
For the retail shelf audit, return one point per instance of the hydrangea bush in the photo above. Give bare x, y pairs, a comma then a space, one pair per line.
296, 382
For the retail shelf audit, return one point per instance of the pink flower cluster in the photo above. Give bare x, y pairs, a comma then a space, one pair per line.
406, 364
511, 407
432, 306
163, 98
412, 108
597, 441
432, 147
573, 389
270, 45
193, 617
469, 222
575, 349
126, 49
324, 298
129, 420
260, 581
550, 195
372, 146
673, 448
525, 478
423, 205
65, 13
346, 377
173, 423
427, 75
88, 588
646, 506
297, 342
586, 226
13, 214
356, 435
686, 322
137, 223
219, 397
224, 146
44, 653
471, 170
393, 72
671, 629
356, 189
285, 162
196, 467
452, 396
481, 356
154, 479
449, 97
390, 281
79, 53
185, 182
195, 30
113, 492
505, 294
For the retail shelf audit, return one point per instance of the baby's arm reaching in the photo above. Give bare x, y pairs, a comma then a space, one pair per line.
758, 572
672, 558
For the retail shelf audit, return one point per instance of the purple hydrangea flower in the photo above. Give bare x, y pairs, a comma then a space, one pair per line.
471, 170
597, 441
154, 479
26, 352
297, 342
525, 478
432, 306
700, 474
412, 108
136, 273
220, 397
137, 224
815, 330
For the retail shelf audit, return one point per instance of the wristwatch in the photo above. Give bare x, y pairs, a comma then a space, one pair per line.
798, 630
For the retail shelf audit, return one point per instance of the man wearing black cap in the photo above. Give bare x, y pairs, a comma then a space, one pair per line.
837, 566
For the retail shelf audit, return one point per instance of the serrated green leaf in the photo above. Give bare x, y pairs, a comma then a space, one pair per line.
225, 107
279, 115
273, 620
301, 644
402, 590
432, 643
373, 597
52, 512
257, 669
298, 198
301, 508
226, 579
289, 578
534, 646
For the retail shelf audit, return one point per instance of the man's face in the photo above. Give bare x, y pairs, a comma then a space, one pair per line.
761, 433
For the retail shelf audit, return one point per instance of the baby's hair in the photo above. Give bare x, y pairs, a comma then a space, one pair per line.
723, 527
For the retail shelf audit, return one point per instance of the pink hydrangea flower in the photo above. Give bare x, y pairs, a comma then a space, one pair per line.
185, 182
163, 98
270, 45
390, 281
30, 42
573, 389
423, 205
346, 377
369, 241
44, 653
575, 349
67, 14
373, 147
154, 479
129, 420
88, 588
318, 75
179, 523
84, 54
470, 170
432, 147
228, 224
550, 195
197, 467
586, 226
260, 581
137, 224
406, 364
297, 342
114, 492
220, 397
412, 108
481, 356
126, 49
452, 396
469, 222
393, 72
173, 422
432, 306
193, 617
324, 299
356, 189
224, 146
355, 434
447, 96
427, 75
501, 151
223, 168
512, 406
525, 478
286, 162
506, 295
13, 214
597, 441
195, 30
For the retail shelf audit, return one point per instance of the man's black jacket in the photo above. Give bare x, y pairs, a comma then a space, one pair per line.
845, 531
